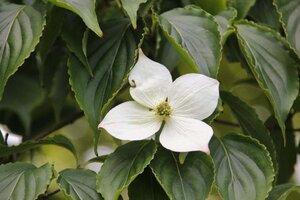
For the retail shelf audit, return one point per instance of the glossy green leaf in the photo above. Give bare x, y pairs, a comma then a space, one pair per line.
289, 11
286, 153
58, 140
225, 20
243, 168
251, 124
110, 59
189, 181
16, 92
286, 191
131, 7
123, 166
274, 69
20, 29
265, 12
242, 6
85, 9
196, 37
50, 34
212, 7
23, 181
146, 187
78, 184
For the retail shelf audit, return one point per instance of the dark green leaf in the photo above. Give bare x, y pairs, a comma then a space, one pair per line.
286, 154
212, 7
273, 67
189, 181
16, 98
50, 34
111, 59
131, 7
146, 187
85, 9
242, 6
289, 11
225, 20
286, 191
57, 140
20, 29
243, 168
123, 166
196, 37
73, 34
23, 181
251, 124
264, 12
78, 184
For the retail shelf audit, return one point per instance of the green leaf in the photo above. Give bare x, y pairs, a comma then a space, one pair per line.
189, 181
58, 140
242, 6
146, 187
286, 154
286, 191
17, 99
131, 7
123, 166
50, 34
20, 29
78, 184
251, 124
212, 7
85, 9
289, 12
243, 168
23, 181
74, 35
274, 69
225, 20
265, 12
111, 59
196, 37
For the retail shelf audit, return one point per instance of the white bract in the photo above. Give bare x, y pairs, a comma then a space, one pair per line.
181, 105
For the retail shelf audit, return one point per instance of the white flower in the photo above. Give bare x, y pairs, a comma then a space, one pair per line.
181, 105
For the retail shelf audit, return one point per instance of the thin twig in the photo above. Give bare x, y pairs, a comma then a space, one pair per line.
47, 195
60, 125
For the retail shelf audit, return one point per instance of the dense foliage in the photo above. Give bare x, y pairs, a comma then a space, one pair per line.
61, 60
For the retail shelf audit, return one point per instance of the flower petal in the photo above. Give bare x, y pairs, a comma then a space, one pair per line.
150, 82
186, 134
130, 121
194, 96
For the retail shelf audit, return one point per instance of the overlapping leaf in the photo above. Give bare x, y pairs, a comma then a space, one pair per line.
250, 123
23, 181
274, 69
131, 7
289, 11
20, 29
195, 35
286, 191
243, 168
57, 140
78, 184
242, 6
110, 59
123, 166
85, 9
189, 181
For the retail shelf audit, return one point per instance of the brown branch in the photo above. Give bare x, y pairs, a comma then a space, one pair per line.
47, 195
60, 125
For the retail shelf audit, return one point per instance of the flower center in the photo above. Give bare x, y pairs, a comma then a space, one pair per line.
164, 110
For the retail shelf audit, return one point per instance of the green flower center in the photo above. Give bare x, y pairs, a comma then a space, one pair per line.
163, 110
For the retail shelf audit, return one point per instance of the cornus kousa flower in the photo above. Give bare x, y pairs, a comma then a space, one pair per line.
178, 106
